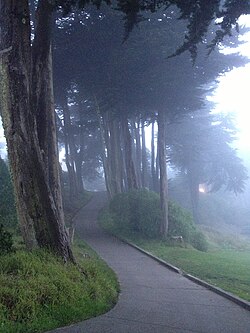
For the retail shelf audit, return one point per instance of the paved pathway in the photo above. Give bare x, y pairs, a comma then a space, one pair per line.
153, 299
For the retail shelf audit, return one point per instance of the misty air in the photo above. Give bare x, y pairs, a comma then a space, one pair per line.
124, 166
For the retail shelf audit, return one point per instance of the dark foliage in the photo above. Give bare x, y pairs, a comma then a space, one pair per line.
7, 202
138, 213
6, 241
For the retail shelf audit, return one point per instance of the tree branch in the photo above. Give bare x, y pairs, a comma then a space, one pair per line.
5, 50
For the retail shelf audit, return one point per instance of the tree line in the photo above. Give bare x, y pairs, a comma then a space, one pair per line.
27, 95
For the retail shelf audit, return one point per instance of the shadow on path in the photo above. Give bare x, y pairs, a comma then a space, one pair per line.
153, 299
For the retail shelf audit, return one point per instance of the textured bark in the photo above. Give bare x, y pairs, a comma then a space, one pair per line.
163, 172
15, 68
26, 96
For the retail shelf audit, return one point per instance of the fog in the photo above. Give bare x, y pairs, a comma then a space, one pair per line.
137, 79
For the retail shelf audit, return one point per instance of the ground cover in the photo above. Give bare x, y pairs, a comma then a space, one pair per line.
225, 264
39, 292
228, 269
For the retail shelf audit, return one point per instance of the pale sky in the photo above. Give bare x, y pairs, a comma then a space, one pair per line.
233, 93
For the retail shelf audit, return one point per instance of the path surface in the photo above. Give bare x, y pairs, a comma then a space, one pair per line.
153, 299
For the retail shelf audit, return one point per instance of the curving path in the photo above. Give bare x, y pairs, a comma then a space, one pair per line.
153, 299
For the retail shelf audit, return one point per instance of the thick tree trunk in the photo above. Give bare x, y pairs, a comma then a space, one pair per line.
15, 68
163, 171
36, 183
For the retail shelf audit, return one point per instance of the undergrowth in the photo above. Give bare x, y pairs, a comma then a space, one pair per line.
39, 292
225, 263
137, 214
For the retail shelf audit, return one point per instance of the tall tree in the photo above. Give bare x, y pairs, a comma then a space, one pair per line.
200, 146
29, 124
27, 98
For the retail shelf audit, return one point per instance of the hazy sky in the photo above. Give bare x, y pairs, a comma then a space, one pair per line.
233, 94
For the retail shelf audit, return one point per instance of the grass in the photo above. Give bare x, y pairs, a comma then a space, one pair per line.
38, 292
226, 264
227, 269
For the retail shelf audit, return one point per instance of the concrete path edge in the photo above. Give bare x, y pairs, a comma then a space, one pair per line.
217, 290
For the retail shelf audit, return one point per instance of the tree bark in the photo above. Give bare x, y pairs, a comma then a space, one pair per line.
163, 171
24, 94
15, 69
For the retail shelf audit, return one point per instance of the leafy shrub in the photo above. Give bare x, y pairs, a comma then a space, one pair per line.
181, 223
6, 241
199, 241
137, 211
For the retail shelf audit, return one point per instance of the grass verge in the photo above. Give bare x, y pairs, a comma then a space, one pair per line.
226, 268
39, 293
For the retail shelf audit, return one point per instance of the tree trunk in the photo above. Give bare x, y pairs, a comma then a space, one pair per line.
153, 171
137, 150
35, 172
163, 171
15, 68
145, 182
115, 156
194, 195
104, 149
128, 153
69, 152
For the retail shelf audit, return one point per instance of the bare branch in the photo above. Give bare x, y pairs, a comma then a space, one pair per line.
5, 50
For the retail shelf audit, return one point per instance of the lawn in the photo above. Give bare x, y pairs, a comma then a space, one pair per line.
228, 269
226, 264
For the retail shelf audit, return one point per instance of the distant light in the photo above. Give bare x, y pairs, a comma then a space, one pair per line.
202, 188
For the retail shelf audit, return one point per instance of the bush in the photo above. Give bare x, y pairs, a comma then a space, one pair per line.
199, 241
137, 212
6, 241
181, 223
